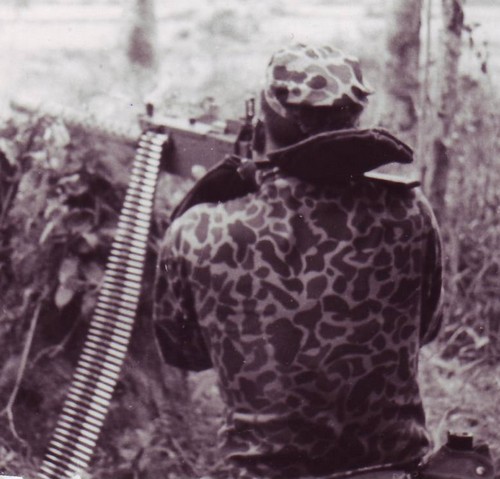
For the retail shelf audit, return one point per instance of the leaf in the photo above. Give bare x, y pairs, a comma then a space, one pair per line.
7, 459
63, 296
479, 341
57, 135
68, 270
92, 239
26, 266
54, 208
74, 185
80, 221
9, 151
93, 273
37, 156
88, 303
46, 231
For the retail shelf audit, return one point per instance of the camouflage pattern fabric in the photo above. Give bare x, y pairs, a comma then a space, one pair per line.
311, 303
313, 76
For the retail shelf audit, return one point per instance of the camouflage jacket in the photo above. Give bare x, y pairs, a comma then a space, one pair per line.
311, 302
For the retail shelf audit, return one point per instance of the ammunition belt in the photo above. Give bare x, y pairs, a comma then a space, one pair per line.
106, 344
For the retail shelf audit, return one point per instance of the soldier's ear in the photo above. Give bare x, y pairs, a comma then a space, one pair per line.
259, 137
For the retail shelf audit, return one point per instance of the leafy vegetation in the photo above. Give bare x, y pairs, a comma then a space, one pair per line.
460, 373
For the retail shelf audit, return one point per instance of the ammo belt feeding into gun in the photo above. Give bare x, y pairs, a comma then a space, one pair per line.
105, 347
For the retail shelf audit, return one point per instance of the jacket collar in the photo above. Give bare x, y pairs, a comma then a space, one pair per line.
340, 155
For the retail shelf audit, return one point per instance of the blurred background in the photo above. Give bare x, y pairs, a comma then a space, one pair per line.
81, 52
435, 66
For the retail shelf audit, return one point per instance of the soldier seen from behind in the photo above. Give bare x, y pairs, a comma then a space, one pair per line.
312, 295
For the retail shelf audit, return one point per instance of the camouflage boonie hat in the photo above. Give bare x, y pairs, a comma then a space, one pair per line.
313, 76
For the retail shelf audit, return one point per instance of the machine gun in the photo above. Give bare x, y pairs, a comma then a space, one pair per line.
176, 145
191, 141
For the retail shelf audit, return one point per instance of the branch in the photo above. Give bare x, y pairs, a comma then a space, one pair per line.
53, 351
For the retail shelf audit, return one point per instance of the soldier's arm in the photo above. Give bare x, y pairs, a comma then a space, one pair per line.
432, 290
177, 331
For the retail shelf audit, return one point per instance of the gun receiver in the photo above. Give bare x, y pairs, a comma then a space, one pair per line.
193, 142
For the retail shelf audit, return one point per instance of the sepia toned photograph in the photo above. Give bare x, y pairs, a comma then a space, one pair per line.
249, 239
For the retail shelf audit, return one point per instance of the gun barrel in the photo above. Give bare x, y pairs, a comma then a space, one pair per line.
121, 131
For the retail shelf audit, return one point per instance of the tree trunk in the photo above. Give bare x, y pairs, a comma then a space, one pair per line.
453, 20
401, 77
141, 48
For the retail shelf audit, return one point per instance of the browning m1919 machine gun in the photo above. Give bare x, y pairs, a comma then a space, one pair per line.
191, 141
